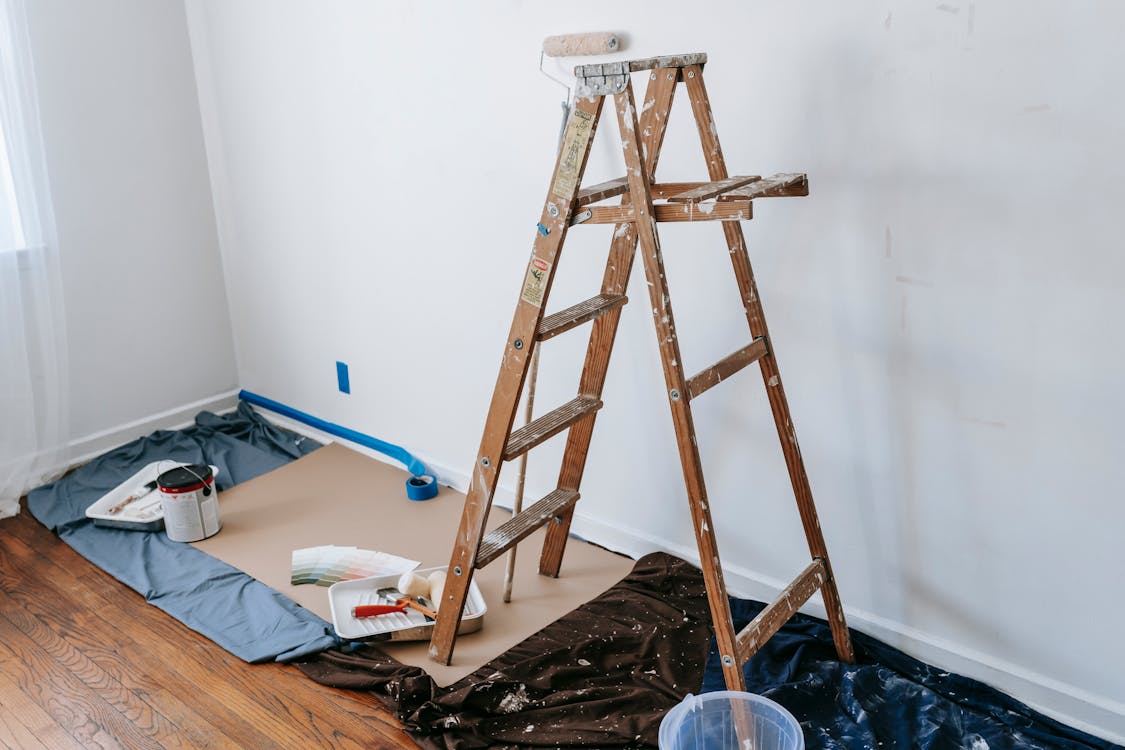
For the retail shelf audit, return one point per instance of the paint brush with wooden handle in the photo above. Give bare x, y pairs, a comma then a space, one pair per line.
137, 495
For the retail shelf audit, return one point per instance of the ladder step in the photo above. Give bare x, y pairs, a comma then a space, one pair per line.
778, 186
549, 425
562, 321
770, 619
601, 191
522, 524
713, 189
726, 367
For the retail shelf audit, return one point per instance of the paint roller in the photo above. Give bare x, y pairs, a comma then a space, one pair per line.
423, 587
576, 45
580, 45
422, 594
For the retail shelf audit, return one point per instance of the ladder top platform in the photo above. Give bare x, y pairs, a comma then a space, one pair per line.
618, 67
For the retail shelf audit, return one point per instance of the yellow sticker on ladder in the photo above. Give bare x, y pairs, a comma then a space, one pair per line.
536, 281
575, 140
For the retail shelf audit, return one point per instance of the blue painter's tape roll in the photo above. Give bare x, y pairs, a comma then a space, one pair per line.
421, 487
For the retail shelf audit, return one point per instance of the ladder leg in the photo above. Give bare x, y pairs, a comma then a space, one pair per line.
553, 225
658, 103
676, 381
755, 316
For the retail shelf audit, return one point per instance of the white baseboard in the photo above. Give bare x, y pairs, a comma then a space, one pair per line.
90, 446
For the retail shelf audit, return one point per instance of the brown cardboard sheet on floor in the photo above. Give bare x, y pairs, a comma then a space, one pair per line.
338, 496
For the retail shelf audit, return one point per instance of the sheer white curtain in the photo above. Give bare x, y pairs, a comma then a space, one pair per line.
33, 387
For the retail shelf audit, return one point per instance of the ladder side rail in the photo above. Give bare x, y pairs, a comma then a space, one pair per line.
676, 381
654, 120
755, 316
565, 181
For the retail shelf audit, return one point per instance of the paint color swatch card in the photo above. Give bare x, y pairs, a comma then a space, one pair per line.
330, 564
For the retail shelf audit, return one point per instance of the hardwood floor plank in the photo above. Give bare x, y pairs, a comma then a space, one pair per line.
16, 734
105, 644
165, 683
75, 707
129, 703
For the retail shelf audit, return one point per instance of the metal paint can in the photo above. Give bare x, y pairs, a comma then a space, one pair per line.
190, 502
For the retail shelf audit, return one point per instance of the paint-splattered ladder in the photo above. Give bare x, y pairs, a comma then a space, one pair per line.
725, 199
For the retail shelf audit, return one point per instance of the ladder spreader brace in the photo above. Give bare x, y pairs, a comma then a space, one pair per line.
725, 199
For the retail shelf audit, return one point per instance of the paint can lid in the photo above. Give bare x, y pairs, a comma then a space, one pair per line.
185, 478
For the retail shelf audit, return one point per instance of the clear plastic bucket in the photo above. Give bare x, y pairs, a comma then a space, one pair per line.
729, 720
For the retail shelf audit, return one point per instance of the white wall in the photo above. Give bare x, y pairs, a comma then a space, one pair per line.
147, 319
944, 305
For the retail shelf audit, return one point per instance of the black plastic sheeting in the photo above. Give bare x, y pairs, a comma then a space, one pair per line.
600, 676
247, 618
887, 699
605, 675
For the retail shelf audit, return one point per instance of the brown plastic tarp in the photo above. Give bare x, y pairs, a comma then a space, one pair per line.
601, 676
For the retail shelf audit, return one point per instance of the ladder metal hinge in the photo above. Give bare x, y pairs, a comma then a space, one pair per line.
601, 79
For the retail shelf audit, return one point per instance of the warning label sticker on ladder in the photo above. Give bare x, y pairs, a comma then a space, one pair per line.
578, 129
536, 282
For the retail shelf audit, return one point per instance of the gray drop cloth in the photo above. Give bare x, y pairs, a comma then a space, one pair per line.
247, 618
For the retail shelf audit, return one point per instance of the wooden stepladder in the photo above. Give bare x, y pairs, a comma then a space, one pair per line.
725, 199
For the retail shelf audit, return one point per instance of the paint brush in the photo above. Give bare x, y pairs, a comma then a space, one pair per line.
400, 600
137, 495
373, 610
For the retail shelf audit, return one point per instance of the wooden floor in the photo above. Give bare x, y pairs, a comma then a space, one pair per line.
86, 662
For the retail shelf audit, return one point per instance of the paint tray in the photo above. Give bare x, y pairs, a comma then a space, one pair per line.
144, 514
404, 626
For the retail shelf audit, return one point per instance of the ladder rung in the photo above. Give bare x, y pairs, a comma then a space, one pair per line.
522, 524
741, 210
726, 367
549, 425
770, 619
601, 191
713, 189
576, 315
661, 190
778, 186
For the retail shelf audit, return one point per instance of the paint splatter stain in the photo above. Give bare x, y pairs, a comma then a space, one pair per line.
887, 21
515, 701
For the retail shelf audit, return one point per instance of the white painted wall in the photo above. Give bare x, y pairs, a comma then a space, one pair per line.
945, 305
147, 319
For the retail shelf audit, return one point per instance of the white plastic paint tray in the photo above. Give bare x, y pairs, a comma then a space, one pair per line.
406, 626
145, 514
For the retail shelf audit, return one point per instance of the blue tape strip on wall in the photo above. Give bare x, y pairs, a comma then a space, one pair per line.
421, 486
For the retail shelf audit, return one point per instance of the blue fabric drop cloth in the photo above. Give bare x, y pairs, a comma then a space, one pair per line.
244, 616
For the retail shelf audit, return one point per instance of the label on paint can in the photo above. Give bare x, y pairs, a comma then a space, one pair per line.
190, 503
